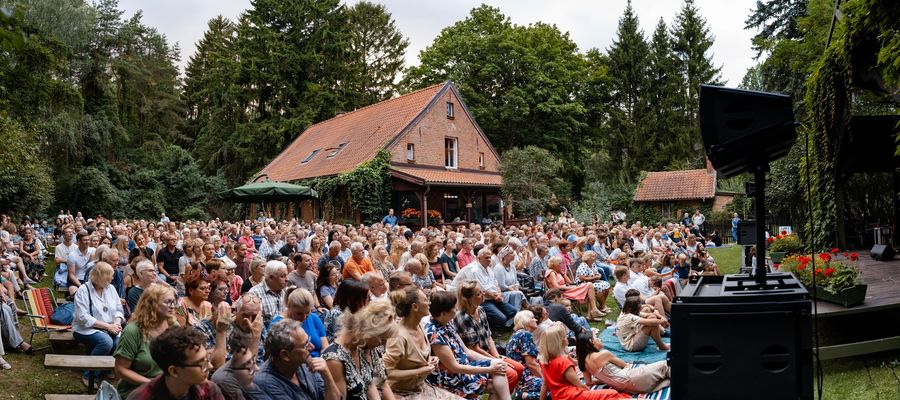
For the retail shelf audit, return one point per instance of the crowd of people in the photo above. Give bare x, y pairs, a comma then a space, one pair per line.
284, 309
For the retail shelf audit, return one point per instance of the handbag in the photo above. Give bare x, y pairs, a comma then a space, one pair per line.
107, 392
64, 314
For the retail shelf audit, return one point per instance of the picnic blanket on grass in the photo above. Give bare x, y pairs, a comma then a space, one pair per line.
662, 394
649, 355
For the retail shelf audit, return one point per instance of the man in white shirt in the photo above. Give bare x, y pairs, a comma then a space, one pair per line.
500, 313
61, 256
79, 261
637, 279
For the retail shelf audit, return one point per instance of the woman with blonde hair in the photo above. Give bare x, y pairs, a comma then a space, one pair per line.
522, 348
407, 357
359, 371
398, 247
298, 306
98, 314
560, 378
381, 260
155, 312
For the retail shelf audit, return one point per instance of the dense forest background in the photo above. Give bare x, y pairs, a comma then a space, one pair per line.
95, 116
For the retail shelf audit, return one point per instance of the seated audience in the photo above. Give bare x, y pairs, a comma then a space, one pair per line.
354, 363
155, 313
194, 307
633, 330
522, 349
289, 371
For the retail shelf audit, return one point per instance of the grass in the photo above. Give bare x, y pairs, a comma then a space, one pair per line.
871, 377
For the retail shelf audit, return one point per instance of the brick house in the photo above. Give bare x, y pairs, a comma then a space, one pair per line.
674, 191
439, 157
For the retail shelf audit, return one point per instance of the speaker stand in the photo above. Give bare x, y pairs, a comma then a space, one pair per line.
759, 176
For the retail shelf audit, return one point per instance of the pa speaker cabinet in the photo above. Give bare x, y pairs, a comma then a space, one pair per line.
742, 350
882, 252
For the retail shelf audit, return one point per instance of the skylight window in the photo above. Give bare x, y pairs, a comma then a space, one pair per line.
310, 156
335, 150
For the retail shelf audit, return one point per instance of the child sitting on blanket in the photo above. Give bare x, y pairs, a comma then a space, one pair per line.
636, 324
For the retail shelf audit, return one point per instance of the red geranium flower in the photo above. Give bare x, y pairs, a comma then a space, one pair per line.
770, 240
784, 232
846, 254
854, 256
818, 271
835, 250
801, 267
829, 272
825, 256
776, 265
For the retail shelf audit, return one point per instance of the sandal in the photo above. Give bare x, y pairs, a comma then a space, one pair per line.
4, 364
29, 350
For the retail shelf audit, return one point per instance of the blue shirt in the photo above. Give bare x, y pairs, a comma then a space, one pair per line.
314, 328
280, 387
389, 220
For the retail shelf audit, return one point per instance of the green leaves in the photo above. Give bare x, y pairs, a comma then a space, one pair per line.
531, 178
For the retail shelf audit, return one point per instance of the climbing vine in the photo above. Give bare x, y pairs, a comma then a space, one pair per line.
367, 189
869, 29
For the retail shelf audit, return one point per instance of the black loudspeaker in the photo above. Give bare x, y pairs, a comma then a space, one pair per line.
743, 346
883, 252
744, 128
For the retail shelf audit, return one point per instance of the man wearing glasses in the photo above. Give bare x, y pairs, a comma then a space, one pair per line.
180, 354
290, 372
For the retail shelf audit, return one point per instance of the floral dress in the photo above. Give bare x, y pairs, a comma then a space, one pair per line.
521, 344
424, 282
357, 378
465, 385
589, 270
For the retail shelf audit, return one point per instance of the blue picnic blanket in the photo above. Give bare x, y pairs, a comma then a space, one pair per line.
649, 355
661, 394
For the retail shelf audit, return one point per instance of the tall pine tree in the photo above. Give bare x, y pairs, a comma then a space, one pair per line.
630, 140
379, 47
691, 44
666, 94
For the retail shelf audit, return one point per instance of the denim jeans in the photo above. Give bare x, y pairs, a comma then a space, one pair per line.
500, 314
98, 344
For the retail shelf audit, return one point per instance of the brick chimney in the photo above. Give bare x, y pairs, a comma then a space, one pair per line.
709, 167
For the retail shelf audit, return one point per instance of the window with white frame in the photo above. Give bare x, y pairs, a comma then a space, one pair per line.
449, 109
451, 156
481, 159
410, 152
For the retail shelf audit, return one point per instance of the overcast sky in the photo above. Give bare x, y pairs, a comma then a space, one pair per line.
590, 23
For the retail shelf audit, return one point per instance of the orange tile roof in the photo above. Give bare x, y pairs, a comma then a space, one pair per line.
436, 176
365, 131
677, 185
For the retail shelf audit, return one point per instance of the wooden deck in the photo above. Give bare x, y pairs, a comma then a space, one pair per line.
883, 278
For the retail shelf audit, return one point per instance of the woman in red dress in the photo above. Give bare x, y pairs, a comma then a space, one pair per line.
560, 378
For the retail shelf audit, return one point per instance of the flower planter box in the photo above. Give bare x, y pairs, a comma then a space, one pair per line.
848, 297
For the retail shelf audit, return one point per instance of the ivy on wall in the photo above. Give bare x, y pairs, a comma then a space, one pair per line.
869, 29
366, 189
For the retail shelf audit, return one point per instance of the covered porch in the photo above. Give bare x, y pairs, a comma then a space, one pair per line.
460, 197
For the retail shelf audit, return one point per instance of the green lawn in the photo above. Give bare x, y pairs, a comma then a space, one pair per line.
865, 377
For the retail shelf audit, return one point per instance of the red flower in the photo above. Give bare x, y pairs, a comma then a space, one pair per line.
825, 256
801, 267
835, 250
829, 272
846, 254
776, 265
854, 256
784, 232
818, 271
770, 240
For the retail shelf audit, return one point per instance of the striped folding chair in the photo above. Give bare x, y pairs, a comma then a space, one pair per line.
40, 304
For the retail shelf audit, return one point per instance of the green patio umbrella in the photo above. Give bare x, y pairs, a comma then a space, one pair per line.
268, 192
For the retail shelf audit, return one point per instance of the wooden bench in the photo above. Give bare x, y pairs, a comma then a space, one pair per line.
62, 336
81, 363
69, 397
